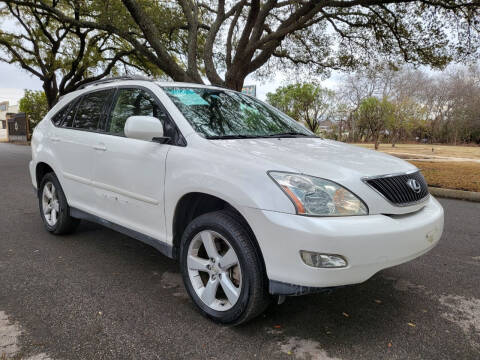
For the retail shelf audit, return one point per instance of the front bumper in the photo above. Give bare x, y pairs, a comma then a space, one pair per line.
369, 243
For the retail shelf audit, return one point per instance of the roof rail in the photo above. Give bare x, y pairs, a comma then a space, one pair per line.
114, 78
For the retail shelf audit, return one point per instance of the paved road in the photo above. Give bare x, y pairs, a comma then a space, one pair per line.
97, 294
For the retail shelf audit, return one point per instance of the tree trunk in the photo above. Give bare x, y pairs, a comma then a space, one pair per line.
234, 81
51, 93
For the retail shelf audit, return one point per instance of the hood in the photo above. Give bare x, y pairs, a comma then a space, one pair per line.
345, 164
318, 157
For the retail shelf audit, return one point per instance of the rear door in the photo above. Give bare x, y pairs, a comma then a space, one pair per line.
75, 141
128, 173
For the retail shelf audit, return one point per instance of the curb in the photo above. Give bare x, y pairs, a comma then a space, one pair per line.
455, 194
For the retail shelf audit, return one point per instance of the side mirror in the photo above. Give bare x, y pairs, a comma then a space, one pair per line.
143, 128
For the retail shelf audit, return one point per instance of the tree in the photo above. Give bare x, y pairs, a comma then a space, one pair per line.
305, 102
342, 117
405, 114
34, 104
374, 115
438, 106
406, 89
62, 55
226, 41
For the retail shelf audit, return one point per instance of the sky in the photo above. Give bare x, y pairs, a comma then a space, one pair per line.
13, 81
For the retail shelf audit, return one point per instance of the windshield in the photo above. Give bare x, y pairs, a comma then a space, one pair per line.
224, 114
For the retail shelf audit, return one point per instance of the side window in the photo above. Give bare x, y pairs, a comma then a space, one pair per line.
58, 117
131, 102
90, 113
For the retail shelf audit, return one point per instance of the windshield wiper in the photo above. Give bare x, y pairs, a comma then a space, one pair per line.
290, 134
280, 135
223, 137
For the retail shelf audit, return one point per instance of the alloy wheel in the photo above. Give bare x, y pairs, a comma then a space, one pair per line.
214, 270
50, 204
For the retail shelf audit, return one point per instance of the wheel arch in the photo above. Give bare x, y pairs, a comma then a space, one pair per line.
194, 204
41, 169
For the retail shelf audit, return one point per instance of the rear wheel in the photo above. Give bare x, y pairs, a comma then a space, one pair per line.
222, 270
53, 205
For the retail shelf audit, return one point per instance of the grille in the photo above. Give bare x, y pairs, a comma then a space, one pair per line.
397, 190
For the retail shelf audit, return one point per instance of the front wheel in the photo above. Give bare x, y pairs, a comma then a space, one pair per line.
221, 269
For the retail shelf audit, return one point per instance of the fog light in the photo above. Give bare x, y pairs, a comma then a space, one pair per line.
322, 260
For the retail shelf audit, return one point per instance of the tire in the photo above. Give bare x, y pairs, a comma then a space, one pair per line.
62, 222
232, 305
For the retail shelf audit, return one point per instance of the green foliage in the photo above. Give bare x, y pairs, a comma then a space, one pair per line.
304, 102
406, 117
375, 115
35, 105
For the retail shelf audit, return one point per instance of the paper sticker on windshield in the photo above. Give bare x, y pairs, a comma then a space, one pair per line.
188, 97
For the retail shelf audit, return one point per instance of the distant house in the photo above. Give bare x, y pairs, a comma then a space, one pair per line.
325, 126
6, 111
250, 90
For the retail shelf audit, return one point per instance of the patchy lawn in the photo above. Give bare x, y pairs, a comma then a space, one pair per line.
451, 175
447, 166
425, 150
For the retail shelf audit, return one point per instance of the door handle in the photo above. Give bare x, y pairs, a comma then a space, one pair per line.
54, 139
100, 147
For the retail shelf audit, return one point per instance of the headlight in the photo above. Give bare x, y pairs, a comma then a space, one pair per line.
318, 197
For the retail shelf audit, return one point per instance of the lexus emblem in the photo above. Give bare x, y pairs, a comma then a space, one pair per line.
414, 185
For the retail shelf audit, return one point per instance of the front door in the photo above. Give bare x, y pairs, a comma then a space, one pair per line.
128, 173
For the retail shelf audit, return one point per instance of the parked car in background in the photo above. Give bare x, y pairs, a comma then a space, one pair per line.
252, 204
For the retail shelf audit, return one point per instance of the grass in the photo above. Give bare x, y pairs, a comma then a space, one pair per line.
441, 171
451, 175
470, 152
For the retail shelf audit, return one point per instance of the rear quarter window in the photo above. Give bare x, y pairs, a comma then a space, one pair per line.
60, 115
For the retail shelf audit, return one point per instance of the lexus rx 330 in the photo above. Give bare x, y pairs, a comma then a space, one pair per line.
252, 204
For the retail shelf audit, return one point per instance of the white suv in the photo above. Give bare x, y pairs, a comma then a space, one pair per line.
249, 201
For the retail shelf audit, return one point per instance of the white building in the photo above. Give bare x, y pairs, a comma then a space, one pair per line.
5, 108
